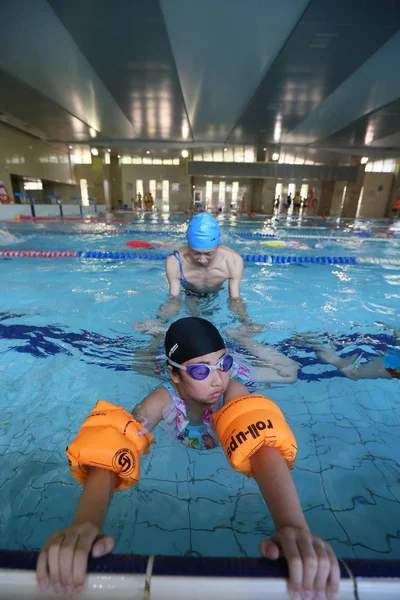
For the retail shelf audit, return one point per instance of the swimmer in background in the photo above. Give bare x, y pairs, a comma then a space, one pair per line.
203, 405
7, 238
378, 367
202, 266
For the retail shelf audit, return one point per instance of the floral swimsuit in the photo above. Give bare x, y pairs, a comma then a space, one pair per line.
201, 437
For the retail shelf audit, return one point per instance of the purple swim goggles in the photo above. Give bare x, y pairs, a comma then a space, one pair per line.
202, 371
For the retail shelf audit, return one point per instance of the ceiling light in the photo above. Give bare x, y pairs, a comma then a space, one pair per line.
264, 149
225, 149
70, 147
108, 149
94, 151
92, 132
147, 151
364, 160
118, 156
184, 153
275, 156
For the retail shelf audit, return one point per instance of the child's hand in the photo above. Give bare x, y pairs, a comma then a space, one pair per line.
63, 559
313, 566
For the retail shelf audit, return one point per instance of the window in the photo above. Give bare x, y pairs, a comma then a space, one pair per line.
81, 156
84, 192
249, 154
147, 161
278, 190
157, 161
360, 200
33, 184
208, 155
292, 189
165, 195
136, 160
209, 190
139, 186
389, 165
304, 191
197, 155
228, 155
235, 191
238, 154
221, 193
381, 166
343, 199
107, 157
167, 161
218, 155
152, 189
175, 161
126, 160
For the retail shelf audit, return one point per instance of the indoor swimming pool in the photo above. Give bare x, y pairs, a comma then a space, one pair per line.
68, 338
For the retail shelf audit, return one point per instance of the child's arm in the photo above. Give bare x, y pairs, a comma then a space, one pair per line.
312, 564
62, 563
313, 567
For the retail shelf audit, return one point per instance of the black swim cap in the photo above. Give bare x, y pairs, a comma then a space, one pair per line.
191, 337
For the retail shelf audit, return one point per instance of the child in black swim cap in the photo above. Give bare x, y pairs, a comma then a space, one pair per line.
200, 389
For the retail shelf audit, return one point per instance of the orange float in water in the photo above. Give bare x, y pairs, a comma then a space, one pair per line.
111, 439
247, 423
138, 244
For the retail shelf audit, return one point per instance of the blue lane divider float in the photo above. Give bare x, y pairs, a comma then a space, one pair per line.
256, 258
253, 234
149, 231
120, 255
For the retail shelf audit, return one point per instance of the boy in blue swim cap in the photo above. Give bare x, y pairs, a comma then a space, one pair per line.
203, 265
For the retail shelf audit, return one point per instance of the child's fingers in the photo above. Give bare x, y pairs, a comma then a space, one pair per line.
309, 561
290, 550
54, 561
67, 556
269, 549
81, 554
324, 566
102, 546
334, 576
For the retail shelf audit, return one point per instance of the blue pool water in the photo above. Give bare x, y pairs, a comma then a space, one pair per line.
67, 340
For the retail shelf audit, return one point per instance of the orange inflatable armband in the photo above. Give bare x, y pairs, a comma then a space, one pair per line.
247, 423
110, 438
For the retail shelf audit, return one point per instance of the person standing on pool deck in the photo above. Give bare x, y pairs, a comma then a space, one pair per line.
202, 266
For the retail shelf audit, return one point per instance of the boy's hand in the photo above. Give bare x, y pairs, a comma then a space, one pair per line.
62, 563
313, 567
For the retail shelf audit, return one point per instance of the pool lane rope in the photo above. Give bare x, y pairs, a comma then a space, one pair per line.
247, 235
257, 258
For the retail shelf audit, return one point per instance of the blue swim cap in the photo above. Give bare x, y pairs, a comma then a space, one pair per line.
203, 232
